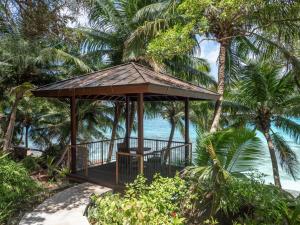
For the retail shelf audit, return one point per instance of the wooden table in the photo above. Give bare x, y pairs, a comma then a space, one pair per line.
134, 149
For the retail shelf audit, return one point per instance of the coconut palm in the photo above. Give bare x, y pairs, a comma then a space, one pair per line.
265, 98
176, 24
173, 112
53, 128
112, 24
30, 111
27, 63
18, 93
118, 109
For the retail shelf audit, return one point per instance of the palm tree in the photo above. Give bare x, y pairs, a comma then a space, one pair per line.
18, 93
173, 112
265, 98
27, 63
233, 25
112, 25
53, 128
118, 108
220, 155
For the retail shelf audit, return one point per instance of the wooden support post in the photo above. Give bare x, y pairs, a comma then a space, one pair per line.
127, 123
140, 103
73, 134
186, 133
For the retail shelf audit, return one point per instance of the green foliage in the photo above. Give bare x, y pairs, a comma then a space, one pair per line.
175, 41
54, 171
240, 25
244, 200
251, 200
17, 189
31, 163
237, 149
240, 201
265, 98
156, 203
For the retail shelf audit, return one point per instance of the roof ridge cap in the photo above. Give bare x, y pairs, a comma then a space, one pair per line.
134, 66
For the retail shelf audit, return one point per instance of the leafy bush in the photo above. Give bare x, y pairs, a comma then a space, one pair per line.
250, 201
54, 171
241, 201
16, 189
154, 204
190, 201
31, 164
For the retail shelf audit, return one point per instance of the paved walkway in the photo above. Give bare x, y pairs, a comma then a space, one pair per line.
64, 208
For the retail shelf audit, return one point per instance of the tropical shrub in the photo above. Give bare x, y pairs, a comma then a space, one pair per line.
244, 200
240, 200
156, 203
17, 189
251, 200
31, 163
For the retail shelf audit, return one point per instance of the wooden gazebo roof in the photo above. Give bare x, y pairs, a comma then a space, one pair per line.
129, 79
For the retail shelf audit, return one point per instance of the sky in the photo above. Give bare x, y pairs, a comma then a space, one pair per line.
210, 52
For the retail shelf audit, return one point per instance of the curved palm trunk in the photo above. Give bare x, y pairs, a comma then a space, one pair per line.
11, 125
117, 114
131, 119
21, 136
172, 132
273, 159
221, 85
26, 135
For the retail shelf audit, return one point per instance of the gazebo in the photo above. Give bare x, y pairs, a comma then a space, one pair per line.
130, 155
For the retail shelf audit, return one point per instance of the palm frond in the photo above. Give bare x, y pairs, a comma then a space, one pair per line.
103, 13
245, 151
237, 149
288, 126
192, 69
53, 55
288, 158
152, 11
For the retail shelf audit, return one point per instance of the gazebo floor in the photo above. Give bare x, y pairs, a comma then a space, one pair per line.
105, 175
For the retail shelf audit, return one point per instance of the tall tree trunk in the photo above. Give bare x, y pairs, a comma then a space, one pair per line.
21, 136
131, 119
171, 136
26, 136
117, 114
11, 125
221, 86
273, 159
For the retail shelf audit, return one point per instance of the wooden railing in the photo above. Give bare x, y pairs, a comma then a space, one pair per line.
128, 166
164, 162
161, 157
96, 153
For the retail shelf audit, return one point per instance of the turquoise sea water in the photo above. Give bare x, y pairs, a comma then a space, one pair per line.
159, 128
